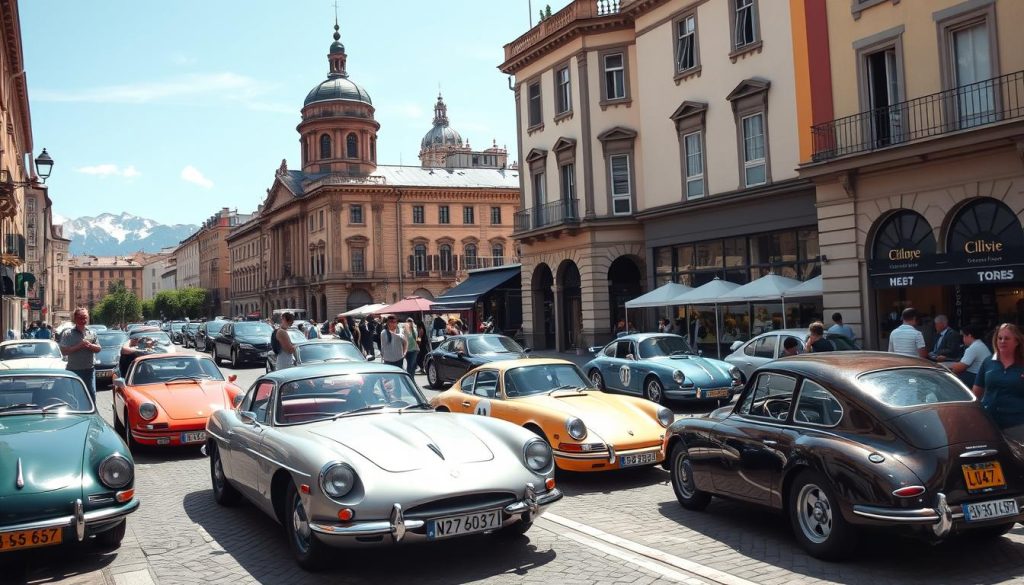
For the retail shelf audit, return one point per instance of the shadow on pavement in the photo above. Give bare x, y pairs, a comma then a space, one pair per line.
48, 565
146, 454
604, 482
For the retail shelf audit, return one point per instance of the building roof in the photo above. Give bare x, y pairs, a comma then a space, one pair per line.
104, 262
337, 88
300, 183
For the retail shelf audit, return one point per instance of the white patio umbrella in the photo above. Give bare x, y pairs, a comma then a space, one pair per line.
364, 310
770, 287
708, 294
808, 288
659, 297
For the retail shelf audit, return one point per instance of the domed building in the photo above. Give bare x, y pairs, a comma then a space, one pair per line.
346, 231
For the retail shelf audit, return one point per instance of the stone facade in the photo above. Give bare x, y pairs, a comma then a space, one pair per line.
92, 276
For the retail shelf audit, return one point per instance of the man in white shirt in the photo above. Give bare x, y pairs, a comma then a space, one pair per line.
974, 356
906, 339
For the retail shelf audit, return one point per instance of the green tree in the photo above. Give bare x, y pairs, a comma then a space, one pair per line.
149, 310
180, 303
120, 305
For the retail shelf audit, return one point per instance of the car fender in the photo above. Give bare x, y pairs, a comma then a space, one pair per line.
693, 434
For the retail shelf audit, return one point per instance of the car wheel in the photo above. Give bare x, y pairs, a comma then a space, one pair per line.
112, 538
234, 359
433, 380
308, 551
817, 523
683, 485
224, 493
654, 391
597, 379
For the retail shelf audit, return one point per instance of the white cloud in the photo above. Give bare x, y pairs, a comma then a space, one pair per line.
190, 174
59, 219
110, 170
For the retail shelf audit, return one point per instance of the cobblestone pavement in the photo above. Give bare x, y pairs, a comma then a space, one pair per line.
611, 528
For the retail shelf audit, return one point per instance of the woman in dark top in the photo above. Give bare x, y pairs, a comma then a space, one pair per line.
816, 341
1000, 381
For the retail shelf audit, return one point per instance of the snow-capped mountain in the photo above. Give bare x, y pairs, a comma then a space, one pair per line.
109, 235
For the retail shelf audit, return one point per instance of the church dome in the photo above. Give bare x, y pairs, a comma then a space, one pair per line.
441, 134
338, 88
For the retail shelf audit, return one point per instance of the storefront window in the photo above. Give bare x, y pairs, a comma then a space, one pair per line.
735, 251
662, 260
767, 317
708, 254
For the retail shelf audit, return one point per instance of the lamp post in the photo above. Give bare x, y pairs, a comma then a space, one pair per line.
44, 165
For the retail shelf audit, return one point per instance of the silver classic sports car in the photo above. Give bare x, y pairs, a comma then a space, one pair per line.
351, 454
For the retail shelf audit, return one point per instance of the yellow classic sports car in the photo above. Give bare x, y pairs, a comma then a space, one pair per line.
588, 430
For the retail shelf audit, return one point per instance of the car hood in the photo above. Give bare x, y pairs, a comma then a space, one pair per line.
405, 442
253, 340
701, 371
618, 420
38, 363
186, 400
49, 448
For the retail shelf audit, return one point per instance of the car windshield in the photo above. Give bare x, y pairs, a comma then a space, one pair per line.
107, 340
158, 337
34, 394
177, 326
254, 329
914, 386
321, 352
489, 344
17, 351
192, 327
213, 327
663, 345
166, 369
314, 399
543, 378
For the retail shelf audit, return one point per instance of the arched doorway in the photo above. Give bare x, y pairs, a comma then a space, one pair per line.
542, 284
357, 297
313, 308
624, 284
571, 307
423, 293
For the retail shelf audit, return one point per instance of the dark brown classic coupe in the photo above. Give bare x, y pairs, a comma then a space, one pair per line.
849, 440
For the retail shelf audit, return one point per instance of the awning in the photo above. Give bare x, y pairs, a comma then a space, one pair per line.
479, 283
364, 310
809, 288
407, 305
706, 294
770, 287
659, 297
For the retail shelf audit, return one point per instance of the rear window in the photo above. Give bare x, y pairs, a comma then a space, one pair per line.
914, 387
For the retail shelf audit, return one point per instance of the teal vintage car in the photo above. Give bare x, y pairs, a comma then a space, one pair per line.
65, 475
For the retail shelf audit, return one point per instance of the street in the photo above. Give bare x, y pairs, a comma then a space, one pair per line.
610, 528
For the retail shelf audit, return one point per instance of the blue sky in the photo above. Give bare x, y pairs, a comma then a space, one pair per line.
171, 110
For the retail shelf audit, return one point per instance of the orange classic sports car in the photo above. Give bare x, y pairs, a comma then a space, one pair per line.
588, 430
165, 399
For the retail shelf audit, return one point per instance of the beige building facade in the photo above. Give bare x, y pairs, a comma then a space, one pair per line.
247, 263
92, 276
186, 260
58, 296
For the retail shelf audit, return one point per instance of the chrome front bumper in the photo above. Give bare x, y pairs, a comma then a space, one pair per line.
941, 518
399, 529
80, 520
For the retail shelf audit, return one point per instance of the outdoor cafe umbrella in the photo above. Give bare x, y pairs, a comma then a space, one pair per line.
406, 305
659, 297
364, 310
770, 287
708, 294
808, 288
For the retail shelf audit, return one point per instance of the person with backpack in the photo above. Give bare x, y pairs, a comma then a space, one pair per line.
282, 345
312, 332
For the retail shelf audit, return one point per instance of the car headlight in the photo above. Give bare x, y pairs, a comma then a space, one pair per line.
116, 471
246, 346
736, 376
678, 376
537, 454
147, 410
665, 416
576, 428
337, 479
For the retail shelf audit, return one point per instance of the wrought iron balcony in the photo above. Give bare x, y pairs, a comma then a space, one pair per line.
577, 10
553, 213
969, 106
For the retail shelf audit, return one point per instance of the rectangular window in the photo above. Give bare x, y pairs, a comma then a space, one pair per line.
417, 214
533, 97
883, 88
567, 178
321, 219
311, 226
442, 214
753, 150
686, 43
972, 70
622, 203
745, 24
358, 262
468, 215
355, 213
614, 76
563, 84
694, 165
495, 216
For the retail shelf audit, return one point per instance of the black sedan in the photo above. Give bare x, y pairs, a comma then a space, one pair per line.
317, 355
243, 342
107, 359
850, 440
207, 331
460, 354
188, 334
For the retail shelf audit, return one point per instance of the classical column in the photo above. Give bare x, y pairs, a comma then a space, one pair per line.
560, 336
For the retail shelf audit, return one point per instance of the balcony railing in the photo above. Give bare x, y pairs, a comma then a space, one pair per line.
577, 10
969, 106
553, 213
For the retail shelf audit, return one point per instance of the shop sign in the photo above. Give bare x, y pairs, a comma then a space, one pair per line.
1003, 266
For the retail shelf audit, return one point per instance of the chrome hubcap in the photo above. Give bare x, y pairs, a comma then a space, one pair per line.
300, 524
595, 378
815, 513
432, 374
654, 392
683, 480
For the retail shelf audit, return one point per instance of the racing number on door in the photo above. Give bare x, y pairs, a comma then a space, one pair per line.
483, 408
624, 376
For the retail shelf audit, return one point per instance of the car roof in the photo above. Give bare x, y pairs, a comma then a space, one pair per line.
39, 371
322, 341
21, 341
328, 369
160, 356
505, 365
642, 336
843, 366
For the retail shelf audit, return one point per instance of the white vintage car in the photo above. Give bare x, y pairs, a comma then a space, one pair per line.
350, 454
22, 354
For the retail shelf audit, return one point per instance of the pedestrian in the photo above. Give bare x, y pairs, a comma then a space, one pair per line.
906, 339
393, 343
948, 342
341, 329
840, 328
366, 337
44, 331
973, 358
816, 342
412, 347
791, 346
312, 332
1000, 381
424, 346
282, 345
79, 344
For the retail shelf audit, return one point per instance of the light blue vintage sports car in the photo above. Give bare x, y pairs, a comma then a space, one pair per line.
661, 367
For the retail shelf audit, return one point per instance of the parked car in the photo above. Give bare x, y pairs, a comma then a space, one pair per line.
315, 351
188, 334
747, 356
661, 367
207, 331
175, 331
325, 450
162, 341
589, 430
461, 353
96, 327
109, 357
67, 476
165, 399
271, 358
841, 441
31, 354
242, 342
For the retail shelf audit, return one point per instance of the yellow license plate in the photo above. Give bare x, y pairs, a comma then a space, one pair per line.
981, 476
718, 393
30, 538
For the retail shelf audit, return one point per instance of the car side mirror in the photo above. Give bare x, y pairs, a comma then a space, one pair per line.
232, 378
118, 382
700, 352
248, 418
236, 401
595, 348
735, 345
527, 350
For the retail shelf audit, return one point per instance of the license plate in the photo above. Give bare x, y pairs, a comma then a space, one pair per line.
980, 476
464, 524
104, 373
988, 510
30, 538
638, 459
717, 393
196, 437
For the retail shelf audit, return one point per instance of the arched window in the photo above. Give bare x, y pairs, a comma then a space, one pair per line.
373, 149
901, 233
445, 254
352, 146
325, 146
419, 258
497, 254
470, 256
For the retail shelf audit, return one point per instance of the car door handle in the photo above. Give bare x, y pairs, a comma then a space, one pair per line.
466, 403
770, 442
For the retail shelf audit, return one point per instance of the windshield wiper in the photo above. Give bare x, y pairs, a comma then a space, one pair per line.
417, 405
679, 352
565, 387
19, 406
358, 410
189, 378
57, 404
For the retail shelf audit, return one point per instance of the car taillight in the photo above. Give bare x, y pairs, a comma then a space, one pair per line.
909, 491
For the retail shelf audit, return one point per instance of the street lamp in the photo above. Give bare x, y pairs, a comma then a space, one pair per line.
44, 165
